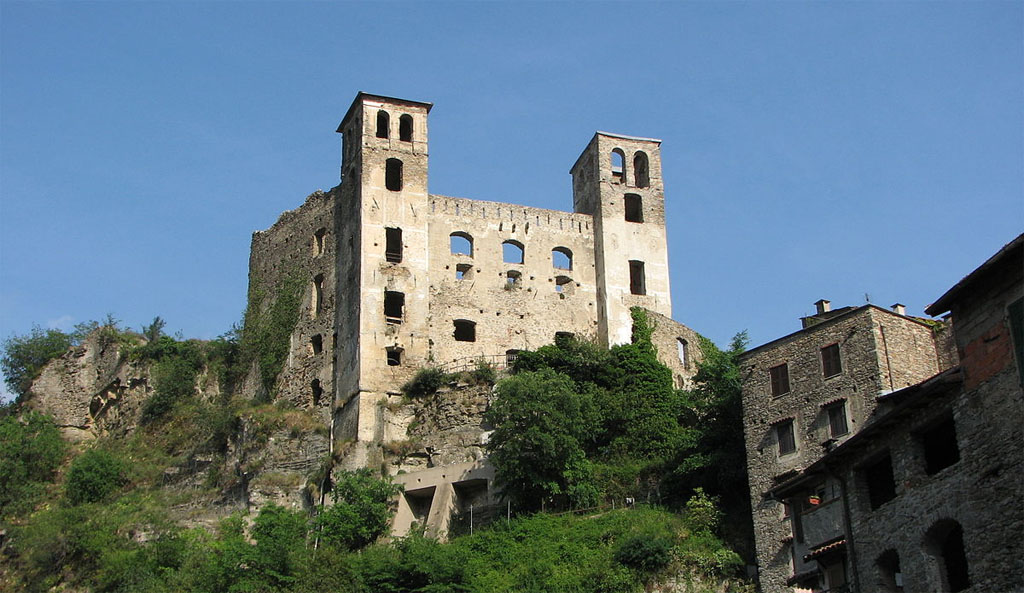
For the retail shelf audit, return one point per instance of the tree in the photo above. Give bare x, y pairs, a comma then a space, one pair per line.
361, 511
25, 356
30, 451
93, 476
541, 424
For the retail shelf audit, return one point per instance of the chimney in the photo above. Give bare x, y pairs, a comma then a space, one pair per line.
823, 306
899, 309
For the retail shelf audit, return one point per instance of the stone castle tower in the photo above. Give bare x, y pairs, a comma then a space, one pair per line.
403, 279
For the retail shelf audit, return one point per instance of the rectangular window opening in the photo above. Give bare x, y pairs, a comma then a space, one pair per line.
880, 481
637, 282
830, 363
786, 436
837, 424
394, 304
780, 379
394, 357
317, 343
393, 245
940, 446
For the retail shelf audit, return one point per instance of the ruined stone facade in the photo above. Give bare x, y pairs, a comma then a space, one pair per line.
806, 393
396, 279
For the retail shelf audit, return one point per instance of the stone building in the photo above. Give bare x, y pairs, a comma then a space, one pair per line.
927, 495
805, 394
392, 278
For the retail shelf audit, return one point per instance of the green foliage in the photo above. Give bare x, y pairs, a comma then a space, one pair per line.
645, 553
30, 451
361, 511
426, 382
484, 373
702, 512
269, 322
154, 330
93, 476
25, 356
174, 380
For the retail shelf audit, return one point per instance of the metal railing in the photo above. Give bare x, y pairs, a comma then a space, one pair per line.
498, 362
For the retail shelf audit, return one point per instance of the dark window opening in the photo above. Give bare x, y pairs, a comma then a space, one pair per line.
889, 571
830, 363
383, 123
513, 278
393, 175
880, 482
512, 252
318, 241
1015, 312
510, 357
317, 343
465, 330
563, 337
683, 349
461, 244
634, 208
405, 128
618, 166
393, 245
780, 379
334, 340
837, 424
563, 285
318, 294
561, 258
786, 436
637, 283
394, 303
463, 271
954, 560
394, 357
317, 391
641, 176
940, 446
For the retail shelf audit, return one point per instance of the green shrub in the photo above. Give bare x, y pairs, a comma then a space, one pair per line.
30, 451
25, 356
93, 476
174, 380
484, 373
426, 382
646, 553
702, 511
361, 511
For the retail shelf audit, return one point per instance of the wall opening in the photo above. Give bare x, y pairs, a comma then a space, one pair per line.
786, 437
945, 541
461, 243
463, 271
394, 356
513, 278
940, 446
779, 376
889, 573
561, 258
563, 337
317, 391
837, 425
394, 305
317, 343
831, 365
563, 285
637, 282
512, 252
465, 330
393, 245
393, 175
881, 483
510, 357
383, 123
641, 174
618, 166
683, 350
318, 241
405, 128
318, 295
634, 208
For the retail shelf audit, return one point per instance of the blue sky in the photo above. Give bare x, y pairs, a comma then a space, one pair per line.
811, 150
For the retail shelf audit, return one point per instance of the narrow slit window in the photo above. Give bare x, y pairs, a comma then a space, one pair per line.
561, 258
683, 349
318, 241
405, 128
383, 123
637, 282
317, 343
393, 245
465, 330
618, 166
634, 208
641, 175
318, 294
317, 391
393, 175
394, 305
512, 252
461, 243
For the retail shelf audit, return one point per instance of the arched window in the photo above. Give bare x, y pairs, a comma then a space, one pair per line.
890, 577
461, 243
561, 258
393, 175
405, 128
634, 208
641, 176
683, 348
618, 166
512, 252
945, 541
563, 285
318, 241
637, 282
383, 123
465, 330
